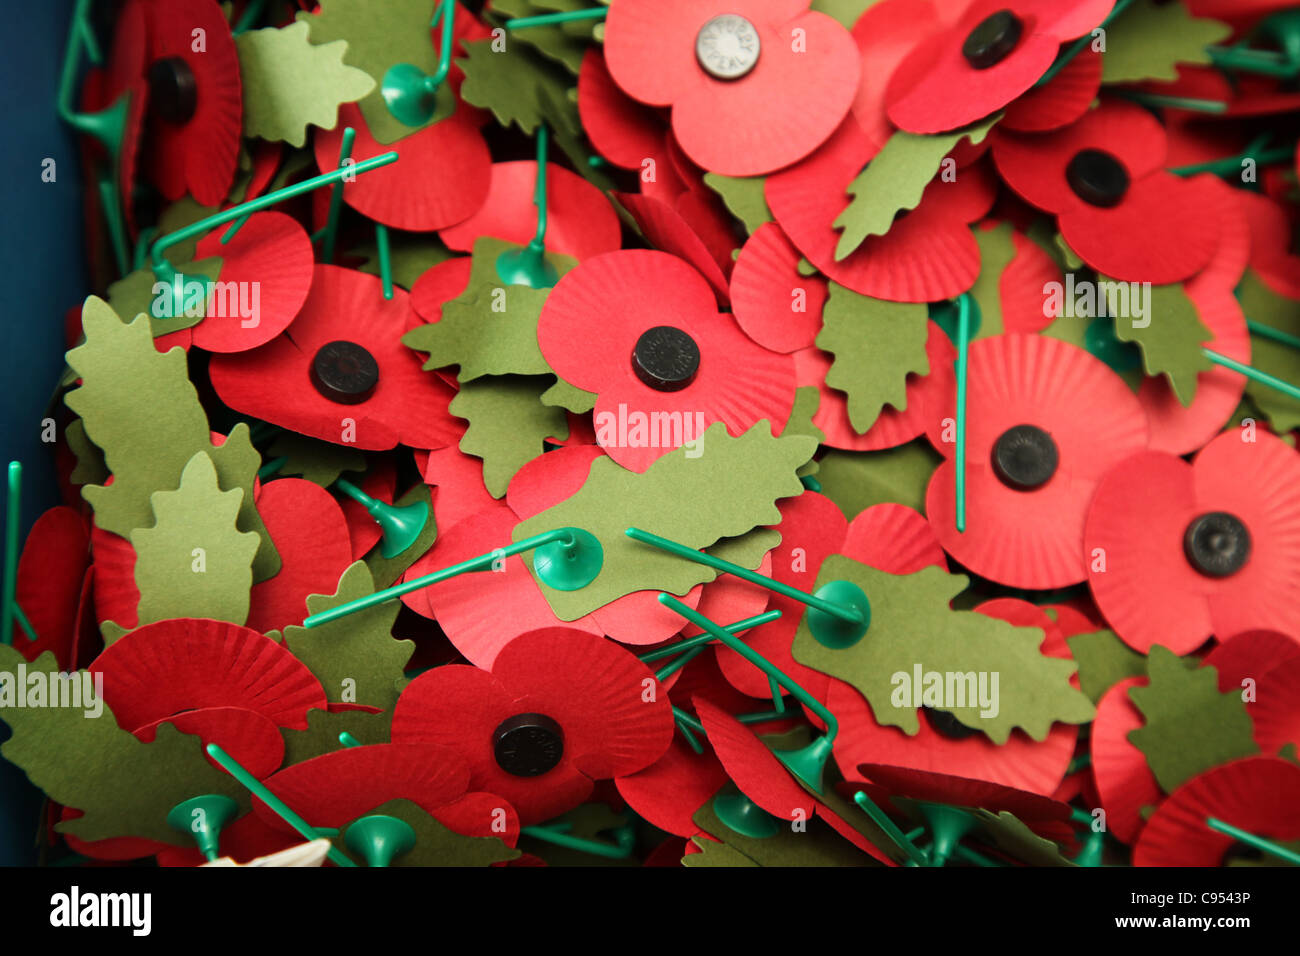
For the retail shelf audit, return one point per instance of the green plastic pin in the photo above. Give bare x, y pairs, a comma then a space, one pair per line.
401, 525
528, 266
379, 839
13, 517
410, 94
203, 817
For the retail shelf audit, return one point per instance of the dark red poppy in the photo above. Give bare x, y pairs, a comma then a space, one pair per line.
1185, 551
163, 669
340, 372
559, 709
1032, 462
977, 63
380, 483
960, 791
927, 255
1125, 782
622, 130
777, 307
243, 840
125, 74
603, 329
1255, 794
195, 100
49, 583
1116, 206
754, 85
1270, 243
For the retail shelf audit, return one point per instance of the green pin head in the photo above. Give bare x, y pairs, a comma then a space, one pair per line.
837, 632
572, 564
379, 839
203, 817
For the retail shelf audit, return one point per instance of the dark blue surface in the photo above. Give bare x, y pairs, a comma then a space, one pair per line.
42, 273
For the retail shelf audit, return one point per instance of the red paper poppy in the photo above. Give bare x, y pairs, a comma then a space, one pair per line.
347, 329
380, 483
927, 255
773, 82
51, 575
1116, 206
1270, 244
171, 666
885, 33
602, 329
1032, 462
1183, 552
559, 709
580, 222
666, 228
983, 60
893, 427
124, 74
622, 130
1022, 763
960, 791
441, 178
457, 480
1060, 101
334, 789
777, 307
1125, 782
193, 140
1255, 794
1020, 287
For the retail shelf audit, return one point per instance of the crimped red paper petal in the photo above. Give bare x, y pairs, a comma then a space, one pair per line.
776, 306
622, 130
380, 482
1124, 781
458, 484
442, 176
580, 222
1270, 245
1021, 286
249, 737
886, 33
48, 586
162, 669
1250, 654
893, 538
754, 769
1062, 100
964, 792
669, 791
1276, 711
1255, 794
667, 230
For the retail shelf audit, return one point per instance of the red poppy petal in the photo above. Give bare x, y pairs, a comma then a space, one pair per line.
458, 485
622, 130
550, 478
893, 538
442, 176
1275, 713
1124, 781
1270, 246
638, 619
596, 691
266, 271
380, 482
1249, 654
439, 285
1021, 286
777, 307
755, 769
49, 581
885, 33
580, 222
665, 229
1255, 794
249, 737
177, 665
307, 527
669, 791
728, 599
964, 792
1062, 100
650, 46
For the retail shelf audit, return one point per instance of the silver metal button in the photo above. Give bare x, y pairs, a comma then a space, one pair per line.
727, 47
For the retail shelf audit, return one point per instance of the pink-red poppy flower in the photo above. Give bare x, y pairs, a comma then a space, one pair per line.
927, 255
340, 372
1103, 177
777, 307
1183, 551
754, 85
559, 709
1032, 461
605, 328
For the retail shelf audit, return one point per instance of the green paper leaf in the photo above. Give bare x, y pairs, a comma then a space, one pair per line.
490, 328
1190, 727
435, 844
133, 295
122, 786
856, 480
1171, 339
912, 625
410, 255
558, 42
379, 36
876, 345
519, 86
508, 425
138, 406
806, 401
996, 252
729, 488
564, 395
895, 180
846, 12
355, 658
90, 469
1265, 307
743, 198
193, 562
386, 571
816, 845
317, 461
1104, 660
324, 727
1149, 39
289, 83
1010, 835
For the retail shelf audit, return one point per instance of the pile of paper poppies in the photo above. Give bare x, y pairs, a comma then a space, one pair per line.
674, 432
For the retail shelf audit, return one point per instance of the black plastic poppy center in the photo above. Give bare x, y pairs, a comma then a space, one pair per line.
992, 40
1025, 457
344, 372
1097, 177
1217, 544
173, 90
527, 745
946, 725
665, 358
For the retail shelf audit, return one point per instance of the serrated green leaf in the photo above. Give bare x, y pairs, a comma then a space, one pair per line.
997, 249
490, 328
1264, 306
1171, 338
912, 626
876, 345
123, 787
1104, 660
519, 86
1149, 39
323, 728
856, 480
90, 469
290, 83
846, 12
1189, 726
743, 198
317, 461
355, 658
133, 295
895, 180
139, 407
508, 424
570, 397
806, 401
564, 43
727, 489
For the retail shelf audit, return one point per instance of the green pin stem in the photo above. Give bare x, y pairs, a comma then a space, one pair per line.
699, 640
551, 19
1230, 166
25, 624
13, 516
963, 364
806, 763
402, 524
686, 724
1259, 843
558, 833
881, 819
698, 643
528, 266
385, 259
347, 740
259, 790
1160, 100
1272, 381
411, 94
1268, 332
336, 197
567, 541
249, 16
